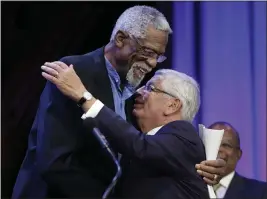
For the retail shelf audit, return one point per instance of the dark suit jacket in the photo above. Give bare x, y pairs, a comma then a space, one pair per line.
163, 165
244, 188
62, 160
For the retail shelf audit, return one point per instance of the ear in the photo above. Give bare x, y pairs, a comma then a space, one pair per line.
120, 38
239, 154
173, 105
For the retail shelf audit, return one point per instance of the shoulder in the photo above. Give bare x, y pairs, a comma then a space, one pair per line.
183, 130
253, 182
182, 127
84, 65
188, 136
89, 59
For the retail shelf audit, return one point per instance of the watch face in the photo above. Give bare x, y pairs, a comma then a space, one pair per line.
87, 95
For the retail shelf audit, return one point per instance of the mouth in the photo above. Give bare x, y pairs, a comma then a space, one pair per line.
139, 103
142, 71
137, 106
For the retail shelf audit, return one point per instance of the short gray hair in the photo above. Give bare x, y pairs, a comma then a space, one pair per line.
135, 21
184, 87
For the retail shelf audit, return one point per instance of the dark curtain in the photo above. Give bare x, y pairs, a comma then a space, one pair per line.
36, 32
223, 45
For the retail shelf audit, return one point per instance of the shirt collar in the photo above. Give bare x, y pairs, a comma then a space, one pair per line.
112, 72
226, 180
154, 130
115, 76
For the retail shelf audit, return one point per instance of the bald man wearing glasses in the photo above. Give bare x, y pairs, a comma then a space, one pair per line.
164, 153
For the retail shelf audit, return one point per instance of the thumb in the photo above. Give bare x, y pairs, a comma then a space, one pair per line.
71, 66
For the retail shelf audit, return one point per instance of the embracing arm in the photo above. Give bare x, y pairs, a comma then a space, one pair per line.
58, 139
69, 83
164, 149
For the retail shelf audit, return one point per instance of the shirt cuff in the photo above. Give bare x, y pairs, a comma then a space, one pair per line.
94, 110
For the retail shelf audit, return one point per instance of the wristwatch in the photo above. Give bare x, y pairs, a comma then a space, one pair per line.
86, 97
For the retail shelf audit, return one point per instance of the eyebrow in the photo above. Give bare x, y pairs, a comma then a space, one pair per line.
162, 91
154, 50
142, 43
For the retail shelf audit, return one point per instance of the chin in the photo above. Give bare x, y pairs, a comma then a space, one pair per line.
133, 79
137, 112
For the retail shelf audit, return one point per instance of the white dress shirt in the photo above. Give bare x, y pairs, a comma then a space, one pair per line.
154, 130
96, 108
221, 188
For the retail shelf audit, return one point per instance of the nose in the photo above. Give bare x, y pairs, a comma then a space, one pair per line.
140, 91
152, 62
221, 153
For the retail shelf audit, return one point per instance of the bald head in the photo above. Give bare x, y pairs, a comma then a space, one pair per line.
227, 127
230, 150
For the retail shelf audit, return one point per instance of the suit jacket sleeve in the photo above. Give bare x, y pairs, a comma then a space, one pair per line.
58, 126
165, 148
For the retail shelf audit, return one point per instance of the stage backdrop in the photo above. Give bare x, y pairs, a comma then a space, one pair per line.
223, 45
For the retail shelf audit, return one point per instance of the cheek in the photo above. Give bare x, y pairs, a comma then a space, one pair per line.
153, 107
224, 154
125, 55
231, 159
128, 52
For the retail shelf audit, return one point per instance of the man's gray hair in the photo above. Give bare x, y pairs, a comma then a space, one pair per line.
135, 21
183, 87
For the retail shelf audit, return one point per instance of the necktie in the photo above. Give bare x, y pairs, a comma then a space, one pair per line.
219, 190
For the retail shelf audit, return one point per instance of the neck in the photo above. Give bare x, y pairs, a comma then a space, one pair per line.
148, 124
228, 172
110, 53
146, 129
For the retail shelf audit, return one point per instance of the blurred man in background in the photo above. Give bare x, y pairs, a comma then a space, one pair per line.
233, 185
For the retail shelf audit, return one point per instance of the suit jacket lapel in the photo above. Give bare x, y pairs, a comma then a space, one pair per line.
235, 187
102, 89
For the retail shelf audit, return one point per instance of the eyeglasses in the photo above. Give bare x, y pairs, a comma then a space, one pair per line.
148, 52
151, 87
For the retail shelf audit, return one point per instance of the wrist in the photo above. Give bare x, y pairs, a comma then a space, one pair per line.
79, 94
88, 104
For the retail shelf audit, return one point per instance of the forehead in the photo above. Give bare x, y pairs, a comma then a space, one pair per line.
156, 39
155, 80
228, 135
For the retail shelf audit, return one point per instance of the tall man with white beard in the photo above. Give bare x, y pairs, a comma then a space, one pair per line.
61, 160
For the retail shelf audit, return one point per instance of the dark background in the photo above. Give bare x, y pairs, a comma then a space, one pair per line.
36, 32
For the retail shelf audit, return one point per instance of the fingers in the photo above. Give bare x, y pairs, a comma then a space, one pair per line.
209, 178
49, 77
208, 169
211, 174
206, 174
50, 71
214, 163
210, 182
61, 64
213, 166
54, 66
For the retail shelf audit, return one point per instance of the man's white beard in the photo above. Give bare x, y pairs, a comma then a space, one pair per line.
131, 79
